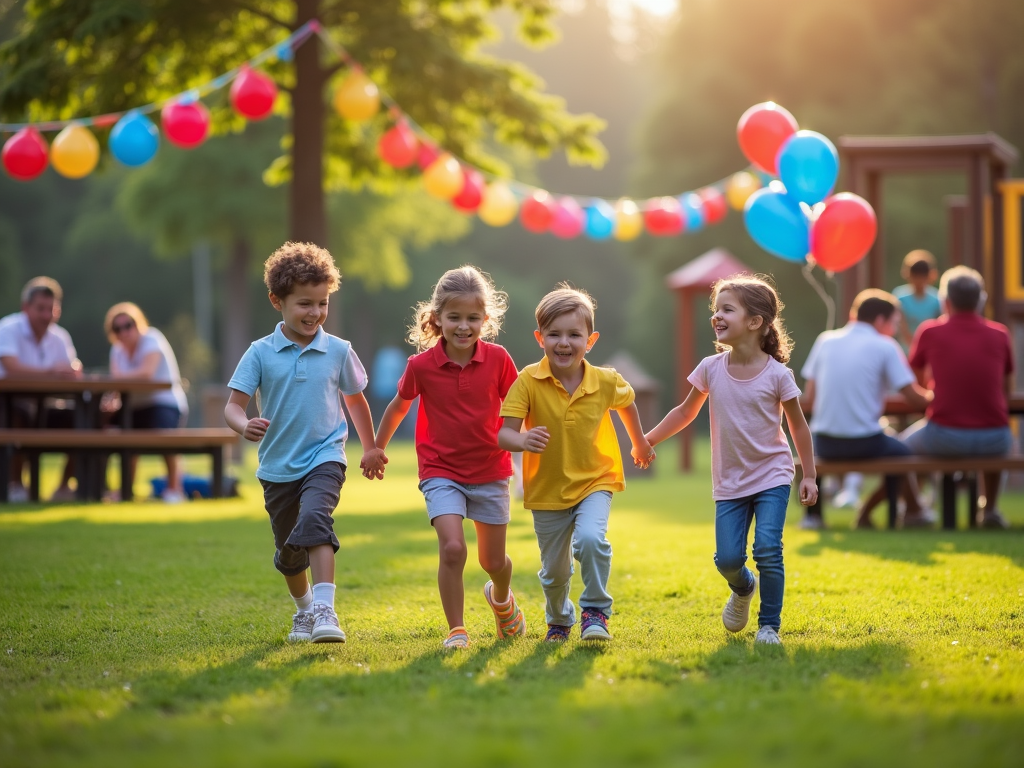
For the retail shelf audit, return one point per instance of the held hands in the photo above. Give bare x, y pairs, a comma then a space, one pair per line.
808, 492
536, 439
643, 455
372, 464
255, 429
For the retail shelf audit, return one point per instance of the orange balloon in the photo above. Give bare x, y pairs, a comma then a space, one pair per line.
357, 98
741, 186
75, 151
499, 205
443, 178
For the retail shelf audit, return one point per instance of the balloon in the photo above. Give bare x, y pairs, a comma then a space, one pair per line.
600, 222
537, 212
134, 139
629, 222
761, 132
186, 125
427, 155
253, 94
776, 223
569, 219
399, 147
24, 154
843, 232
714, 204
740, 187
472, 192
357, 98
663, 216
809, 166
499, 205
75, 151
443, 179
693, 211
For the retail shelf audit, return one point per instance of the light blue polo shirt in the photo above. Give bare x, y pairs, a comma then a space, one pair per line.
297, 391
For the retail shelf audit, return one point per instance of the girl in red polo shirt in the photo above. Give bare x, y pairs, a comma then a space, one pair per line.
461, 380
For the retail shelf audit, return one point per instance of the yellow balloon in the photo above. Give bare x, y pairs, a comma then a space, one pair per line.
499, 205
357, 98
741, 186
629, 222
75, 151
443, 177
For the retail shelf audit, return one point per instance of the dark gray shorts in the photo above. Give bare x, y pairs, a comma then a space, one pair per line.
301, 515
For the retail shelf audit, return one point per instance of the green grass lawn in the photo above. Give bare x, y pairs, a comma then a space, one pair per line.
149, 634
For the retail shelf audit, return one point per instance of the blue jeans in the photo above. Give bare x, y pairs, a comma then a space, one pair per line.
732, 522
577, 532
930, 439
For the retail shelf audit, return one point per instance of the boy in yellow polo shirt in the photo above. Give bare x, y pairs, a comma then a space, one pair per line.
571, 459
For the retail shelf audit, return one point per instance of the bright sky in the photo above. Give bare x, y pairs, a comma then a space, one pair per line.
656, 7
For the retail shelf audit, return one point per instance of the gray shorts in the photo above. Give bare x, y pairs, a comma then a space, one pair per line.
301, 514
484, 503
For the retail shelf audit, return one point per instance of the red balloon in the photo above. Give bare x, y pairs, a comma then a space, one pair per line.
537, 212
253, 94
569, 219
399, 146
844, 232
25, 154
185, 125
427, 155
715, 206
663, 216
472, 192
762, 130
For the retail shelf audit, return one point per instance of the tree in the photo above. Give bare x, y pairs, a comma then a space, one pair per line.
74, 57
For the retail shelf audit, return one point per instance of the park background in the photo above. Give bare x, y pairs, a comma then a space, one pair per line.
151, 633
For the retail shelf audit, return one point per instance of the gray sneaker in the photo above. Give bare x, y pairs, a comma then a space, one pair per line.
991, 518
736, 613
325, 625
767, 636
302, 627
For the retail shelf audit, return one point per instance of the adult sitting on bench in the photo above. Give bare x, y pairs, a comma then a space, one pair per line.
969, 361
848, 373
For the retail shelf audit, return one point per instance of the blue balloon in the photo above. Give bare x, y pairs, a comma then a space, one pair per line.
134, 139
600, 222
776, 223
809, 166
693, 212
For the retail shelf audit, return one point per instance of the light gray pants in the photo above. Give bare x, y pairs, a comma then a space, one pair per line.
579, 533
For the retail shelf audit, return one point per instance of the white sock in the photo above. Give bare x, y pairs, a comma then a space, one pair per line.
324, 593
305, 603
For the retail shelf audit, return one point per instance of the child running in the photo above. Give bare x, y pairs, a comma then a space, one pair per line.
296, 373
461, 380
571, 464
751, 464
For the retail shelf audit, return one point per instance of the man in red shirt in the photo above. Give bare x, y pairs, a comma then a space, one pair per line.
969, 361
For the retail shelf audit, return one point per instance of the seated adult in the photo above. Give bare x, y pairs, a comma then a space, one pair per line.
139, 351
969, 362
848, 374
32, 345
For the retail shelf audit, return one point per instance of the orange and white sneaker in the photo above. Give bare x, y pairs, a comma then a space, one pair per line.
458, 637
508, 619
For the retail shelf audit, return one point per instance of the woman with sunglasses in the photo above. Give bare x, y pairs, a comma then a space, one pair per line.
139, 351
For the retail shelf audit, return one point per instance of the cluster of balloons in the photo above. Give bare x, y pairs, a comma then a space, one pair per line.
797, 216
134, 138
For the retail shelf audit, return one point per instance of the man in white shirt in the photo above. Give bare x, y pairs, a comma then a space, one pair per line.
32, 345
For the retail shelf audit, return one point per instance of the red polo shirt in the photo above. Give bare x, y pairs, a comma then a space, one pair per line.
458, 422
970, 358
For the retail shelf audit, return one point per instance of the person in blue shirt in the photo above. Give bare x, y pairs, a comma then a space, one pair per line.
919, 300
296, 374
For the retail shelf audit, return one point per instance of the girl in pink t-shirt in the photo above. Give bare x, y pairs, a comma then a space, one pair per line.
751, 464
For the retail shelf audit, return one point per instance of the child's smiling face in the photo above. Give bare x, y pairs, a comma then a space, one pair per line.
565, 341
730, 320
461, 320
303, 310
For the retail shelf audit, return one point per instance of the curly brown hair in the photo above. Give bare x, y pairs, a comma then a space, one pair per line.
299, 263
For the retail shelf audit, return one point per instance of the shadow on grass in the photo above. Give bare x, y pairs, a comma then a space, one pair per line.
920, 547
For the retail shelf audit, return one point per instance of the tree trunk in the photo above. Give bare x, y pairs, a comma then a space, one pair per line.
308, 214
236, 319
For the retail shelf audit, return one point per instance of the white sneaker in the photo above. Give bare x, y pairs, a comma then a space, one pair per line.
736, 613
171, 496
847, 498
812, 523
767, 636
302, 627
325, 625
17, 493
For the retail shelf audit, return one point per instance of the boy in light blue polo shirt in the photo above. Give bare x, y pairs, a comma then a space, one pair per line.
296, 374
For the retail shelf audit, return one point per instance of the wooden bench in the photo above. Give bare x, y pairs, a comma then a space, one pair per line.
125, 443
969, 466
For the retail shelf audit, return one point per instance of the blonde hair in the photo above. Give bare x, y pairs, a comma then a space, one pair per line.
42, 286
124, 308
466, 281
759, 299
564, 300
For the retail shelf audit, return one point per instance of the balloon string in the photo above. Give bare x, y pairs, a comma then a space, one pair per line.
830, 305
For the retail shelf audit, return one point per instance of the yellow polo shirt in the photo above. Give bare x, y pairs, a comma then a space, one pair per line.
582, 455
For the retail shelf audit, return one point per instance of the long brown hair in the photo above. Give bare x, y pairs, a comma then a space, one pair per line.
759, 299
464, 281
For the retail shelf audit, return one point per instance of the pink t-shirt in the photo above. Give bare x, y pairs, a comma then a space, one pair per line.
749, 452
